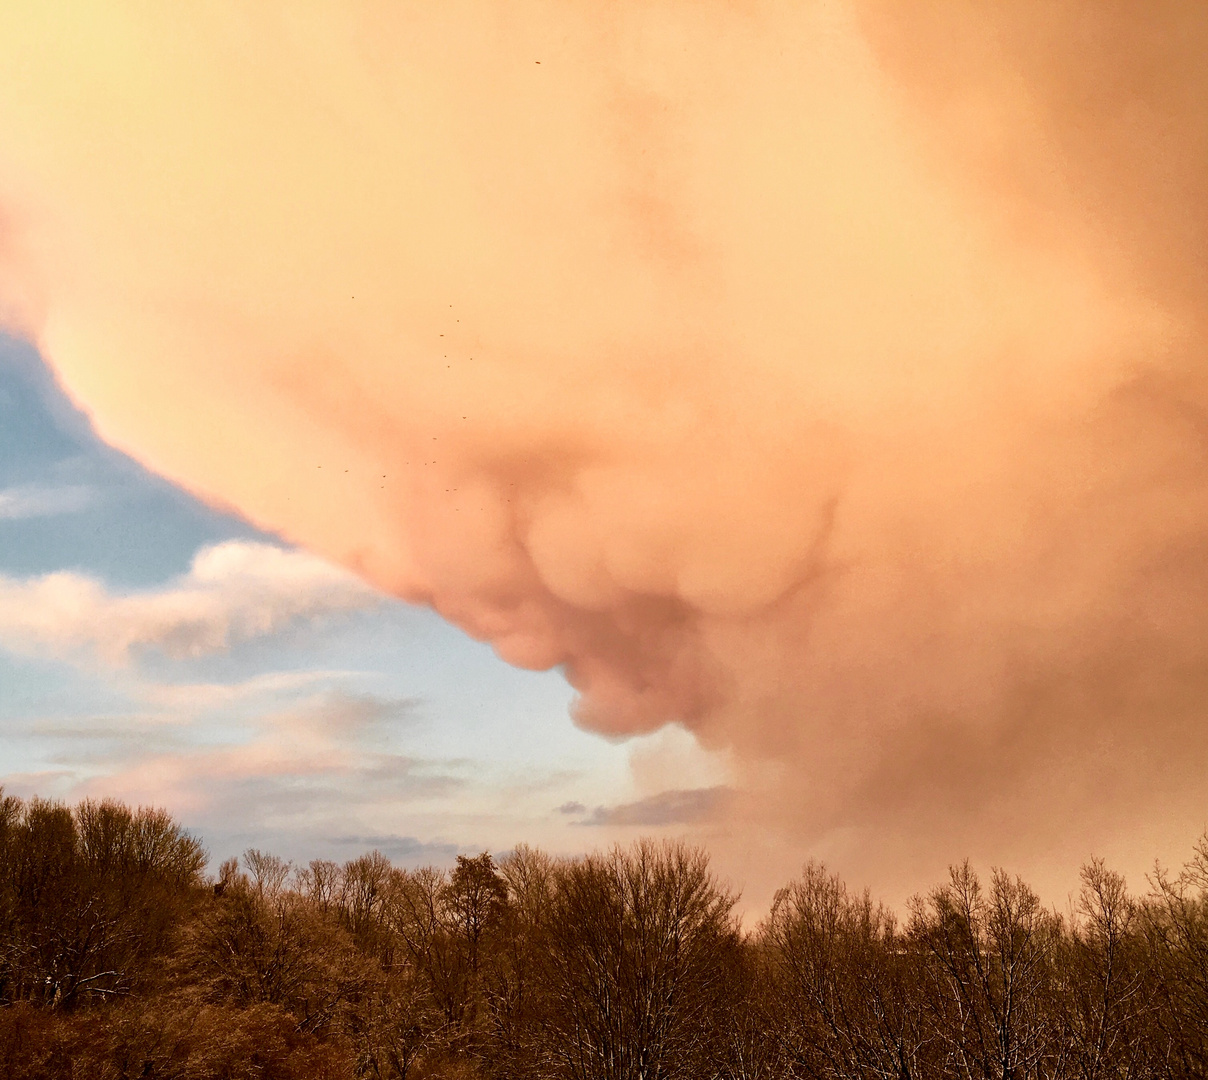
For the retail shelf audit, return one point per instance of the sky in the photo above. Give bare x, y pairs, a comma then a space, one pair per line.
159, 651
783, 423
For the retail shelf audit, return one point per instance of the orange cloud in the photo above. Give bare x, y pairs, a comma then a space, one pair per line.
824, 377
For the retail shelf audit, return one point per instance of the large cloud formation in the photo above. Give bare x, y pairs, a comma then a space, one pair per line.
826, 377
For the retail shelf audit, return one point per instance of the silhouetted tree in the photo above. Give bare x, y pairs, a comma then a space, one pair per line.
636, 945
986, 967
88, 897
1176, 926
1106, 981
848, 1002
514, 986
117, 959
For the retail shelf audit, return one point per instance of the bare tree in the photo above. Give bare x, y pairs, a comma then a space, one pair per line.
636, 940
320, 882
1105, 980
513, 982
847, 1005
87, 897
415, 913
1176, 928
987, 967
267, 872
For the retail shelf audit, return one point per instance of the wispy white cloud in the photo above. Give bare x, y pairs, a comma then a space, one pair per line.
187, 699
233, 592
323, 751
44, 783
41, 500
329, 773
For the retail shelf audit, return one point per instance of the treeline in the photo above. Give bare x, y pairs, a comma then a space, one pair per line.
119, 958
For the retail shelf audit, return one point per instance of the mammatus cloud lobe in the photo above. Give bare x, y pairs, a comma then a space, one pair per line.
825, 377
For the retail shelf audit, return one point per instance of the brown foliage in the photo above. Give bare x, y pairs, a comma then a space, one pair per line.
118, 960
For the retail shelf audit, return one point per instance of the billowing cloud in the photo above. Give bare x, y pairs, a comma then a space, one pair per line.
233, 592
824, 377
